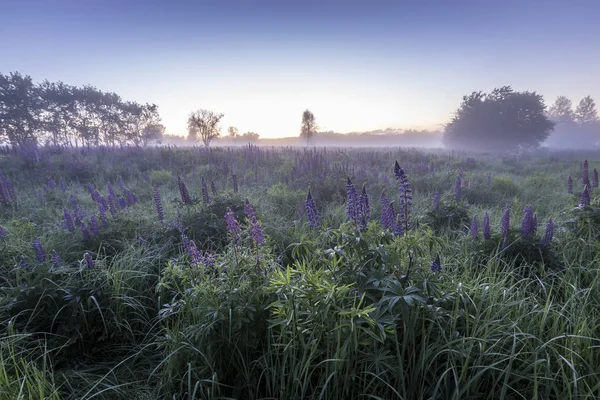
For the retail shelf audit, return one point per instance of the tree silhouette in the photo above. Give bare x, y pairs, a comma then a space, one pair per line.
205, 124
586, 112
308, 127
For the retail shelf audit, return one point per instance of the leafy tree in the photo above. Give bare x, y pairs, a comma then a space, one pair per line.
232, 131
561, 112
20, 109
250, 136
500, 120
205, 124
309, 126
586, 113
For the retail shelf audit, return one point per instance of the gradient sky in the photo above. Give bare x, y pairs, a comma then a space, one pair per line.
358, 65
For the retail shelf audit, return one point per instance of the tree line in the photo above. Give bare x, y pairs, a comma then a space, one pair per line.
60, 114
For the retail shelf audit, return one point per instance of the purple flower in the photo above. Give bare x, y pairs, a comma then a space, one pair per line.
213, 188
399, 226
158, 203
549, 234
183, 191
436, 265
68, 220
312, 214
352, 202
194, 253
570, 185
249, 210
232, 225
63, 185
94, 228
505, 222
457, 188
102, 209
209, 261
85, 232
51, 183
256, 232
88, 260
205, 197
365, 209
585, 197
527, 228
235, 183
388, 216
595, 178
586, 175
474, 228
38, 249
405, 195
55, 259
487, 232
436, 201
3, 234
131, 199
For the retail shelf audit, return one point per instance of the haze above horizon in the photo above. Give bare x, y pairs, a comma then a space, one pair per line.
356, 65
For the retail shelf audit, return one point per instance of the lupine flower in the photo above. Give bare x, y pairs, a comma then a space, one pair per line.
399, 226
585, 197
249, 210
131, 199
256, 231
112, 203
365, 209
194, 253
487, 232
235, 183
586, 175
436, 201
88, 260
183, 191
209, 261
312, 214
457, 188
205, 197
68, 220
55, 259
505, 222
122, 203
352, 202
38, 249
534, 224
51, 183
527, 223
94, 228
213, 188
549, 234
595, 178
405, 195
158, 203
63, 185
102, 209
570, 185
388, 216
3, 234
85, 231
121, 183
436, 265
232, 225
474, 228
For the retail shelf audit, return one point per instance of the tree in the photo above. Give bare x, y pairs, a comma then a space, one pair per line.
20, 109
205, 123
308, 127
586, 113
500, 120
561, 112
250, 136
232, 132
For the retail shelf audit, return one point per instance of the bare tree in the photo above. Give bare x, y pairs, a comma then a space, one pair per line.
309, 126
206, 125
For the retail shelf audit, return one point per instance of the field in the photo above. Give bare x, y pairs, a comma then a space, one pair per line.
199, 273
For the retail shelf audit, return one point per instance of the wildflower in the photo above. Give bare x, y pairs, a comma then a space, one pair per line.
102, 209
158, 203
527, 222
586, 175
68, 220
405, 195
3, 234
213, 188
388, 215
436, 265
595, 178
549, 234
352, 204
85, 231
457, 188
209, 261
183, 191
487, 232
232, 225
205, 197
38, 249
88, 260
194, 253
585, 197
474, 228
312, 214
94, 228
399, 226
365, 209
249, 210
505, 222
51, 183
256, 231
55, 259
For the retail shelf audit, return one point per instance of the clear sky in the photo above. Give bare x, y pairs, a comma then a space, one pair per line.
358, 65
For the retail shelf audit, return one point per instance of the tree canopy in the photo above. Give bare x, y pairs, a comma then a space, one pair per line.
503, 119
309, 126
574, 128
205, 125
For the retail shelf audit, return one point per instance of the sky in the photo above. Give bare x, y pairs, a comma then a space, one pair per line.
357, 65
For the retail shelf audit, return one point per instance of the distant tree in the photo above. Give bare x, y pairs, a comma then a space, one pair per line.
205, 124
153, 132
232, 132
586, 113
500, 120
20, 109
250, 136
561, 112
308, 127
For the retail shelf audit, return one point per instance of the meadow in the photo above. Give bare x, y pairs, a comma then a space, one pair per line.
282, 273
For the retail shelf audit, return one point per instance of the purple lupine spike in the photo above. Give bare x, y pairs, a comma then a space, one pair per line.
312, 214
487, 231
399, 226
405, 195
388, 216
94, 228
364, 209
436, 265
570, 185
158, 204
457, 188
121, 183
585, 179
111, 189
183, 191
436, 201
505, 222
235, 183
3, 234
51, 183
112, 203
534, 224
209, 261
204, 188
595, 178
88, 261
68, 220
352, 205
38, 249
213, 188
585, 197
549, 234
63, 185
102, 209
85, 231
131, 199
256, 231
194, 253
55, 259
232, 225
249, 210
474, 228
122, 203
527, 223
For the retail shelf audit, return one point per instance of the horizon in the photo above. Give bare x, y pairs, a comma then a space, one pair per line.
356, 66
